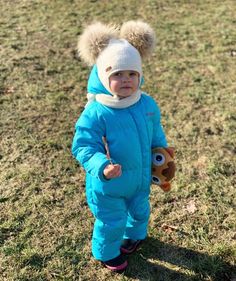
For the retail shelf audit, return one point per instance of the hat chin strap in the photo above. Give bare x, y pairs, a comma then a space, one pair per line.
114, 101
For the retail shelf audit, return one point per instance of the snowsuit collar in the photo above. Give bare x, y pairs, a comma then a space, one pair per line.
114, 101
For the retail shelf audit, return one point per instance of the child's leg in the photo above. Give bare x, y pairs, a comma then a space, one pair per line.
109, 227
138, 216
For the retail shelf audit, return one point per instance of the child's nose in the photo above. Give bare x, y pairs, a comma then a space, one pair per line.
126, 78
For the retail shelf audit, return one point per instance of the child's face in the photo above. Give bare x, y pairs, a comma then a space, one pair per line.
124, 83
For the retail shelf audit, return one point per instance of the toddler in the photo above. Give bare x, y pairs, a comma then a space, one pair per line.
114, 137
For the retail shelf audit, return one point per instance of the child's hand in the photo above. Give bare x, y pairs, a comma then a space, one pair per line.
112, 171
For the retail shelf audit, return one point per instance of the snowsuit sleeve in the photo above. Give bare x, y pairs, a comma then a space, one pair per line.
159, 138
87, 146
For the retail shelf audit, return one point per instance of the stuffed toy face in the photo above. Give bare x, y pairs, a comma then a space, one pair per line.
163, 167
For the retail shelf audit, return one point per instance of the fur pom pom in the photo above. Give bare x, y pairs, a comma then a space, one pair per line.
140, 35
93, 40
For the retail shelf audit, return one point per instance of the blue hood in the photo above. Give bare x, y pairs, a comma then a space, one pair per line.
95, 86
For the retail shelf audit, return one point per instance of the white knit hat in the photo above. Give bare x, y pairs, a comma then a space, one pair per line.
101, 44
119, 55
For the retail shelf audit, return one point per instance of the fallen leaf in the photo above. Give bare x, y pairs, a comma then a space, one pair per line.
191, 207
233, 54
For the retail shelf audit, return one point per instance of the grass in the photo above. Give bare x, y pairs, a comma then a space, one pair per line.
45, 224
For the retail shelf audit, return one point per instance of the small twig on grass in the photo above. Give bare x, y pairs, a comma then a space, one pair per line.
173, 228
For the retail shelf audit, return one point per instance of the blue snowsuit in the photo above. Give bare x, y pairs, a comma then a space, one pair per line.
120, 205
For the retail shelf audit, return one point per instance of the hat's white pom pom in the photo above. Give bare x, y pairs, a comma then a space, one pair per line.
93, 40
140, 35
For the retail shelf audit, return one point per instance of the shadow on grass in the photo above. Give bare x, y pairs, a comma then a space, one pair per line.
180, 264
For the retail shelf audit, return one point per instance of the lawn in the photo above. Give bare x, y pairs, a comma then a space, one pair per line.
45, 223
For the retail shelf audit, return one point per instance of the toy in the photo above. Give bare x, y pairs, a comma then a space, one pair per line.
163, 167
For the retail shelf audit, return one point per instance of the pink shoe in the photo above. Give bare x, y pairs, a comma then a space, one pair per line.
117, 264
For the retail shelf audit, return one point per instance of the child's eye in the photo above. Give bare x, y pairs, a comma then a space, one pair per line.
133, 74
117, 74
